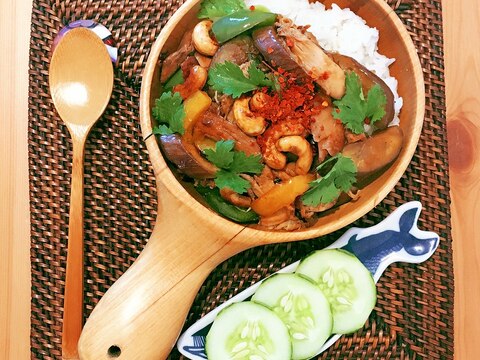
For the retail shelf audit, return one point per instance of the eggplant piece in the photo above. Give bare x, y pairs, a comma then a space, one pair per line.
215, 127
368, 80
373, 155
236, 50
186, 157
275, 50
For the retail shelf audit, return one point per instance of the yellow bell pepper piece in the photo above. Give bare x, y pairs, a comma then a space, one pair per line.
282, 195
195, 105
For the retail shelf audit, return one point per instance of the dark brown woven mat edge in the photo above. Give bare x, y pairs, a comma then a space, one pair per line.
121, 200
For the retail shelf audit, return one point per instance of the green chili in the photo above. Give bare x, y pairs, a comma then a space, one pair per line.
217, 203
174, 80
232, 25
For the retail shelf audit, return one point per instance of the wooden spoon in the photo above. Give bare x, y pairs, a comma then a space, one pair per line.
81, 82
141, 315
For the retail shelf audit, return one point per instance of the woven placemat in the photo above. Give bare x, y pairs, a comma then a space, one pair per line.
414, 313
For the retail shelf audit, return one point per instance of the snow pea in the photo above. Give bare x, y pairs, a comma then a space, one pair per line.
232, 25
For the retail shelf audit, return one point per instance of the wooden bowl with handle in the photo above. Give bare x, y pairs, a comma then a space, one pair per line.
142, 314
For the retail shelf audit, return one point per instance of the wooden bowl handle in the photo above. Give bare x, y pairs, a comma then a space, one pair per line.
142, 314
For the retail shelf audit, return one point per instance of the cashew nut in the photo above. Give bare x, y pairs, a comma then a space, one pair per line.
250, 124
272, 156
196, 79
202, 41
203, 60
235, 198
258, 101
301, 147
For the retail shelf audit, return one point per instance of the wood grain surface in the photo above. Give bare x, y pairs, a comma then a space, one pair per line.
14, 206
462, 59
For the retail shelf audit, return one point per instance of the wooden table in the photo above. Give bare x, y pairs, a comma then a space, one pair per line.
462, 58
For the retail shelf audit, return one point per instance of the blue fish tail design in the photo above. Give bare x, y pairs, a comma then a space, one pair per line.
413, 245
408, 220
374, 248
370, 250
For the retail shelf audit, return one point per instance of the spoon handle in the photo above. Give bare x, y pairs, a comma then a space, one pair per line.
73, 299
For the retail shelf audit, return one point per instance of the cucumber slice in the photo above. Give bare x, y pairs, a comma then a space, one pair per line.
347, 284
302, 307
248, 331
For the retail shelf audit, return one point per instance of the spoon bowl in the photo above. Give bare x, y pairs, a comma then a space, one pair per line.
81, 78
81, 82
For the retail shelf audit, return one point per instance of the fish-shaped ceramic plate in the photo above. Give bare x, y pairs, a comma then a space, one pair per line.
395, 239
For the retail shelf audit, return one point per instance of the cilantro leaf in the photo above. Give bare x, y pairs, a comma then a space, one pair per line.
231, 164
352, 109
321, 192
246, 164
258, 77
222, 156
346, 173
376, 102
231, 180
166, 106
228, 78
339, 179
170, 112
212, 9
162, 130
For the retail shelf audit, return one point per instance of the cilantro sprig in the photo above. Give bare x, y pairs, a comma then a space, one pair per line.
170, 113
228, 78
212, 9
231, 164
353, 108
339, 179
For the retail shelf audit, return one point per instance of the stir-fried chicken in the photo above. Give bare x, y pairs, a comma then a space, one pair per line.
213, 126
173, 61
328, 133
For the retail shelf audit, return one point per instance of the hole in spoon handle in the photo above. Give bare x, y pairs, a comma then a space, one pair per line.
114, 351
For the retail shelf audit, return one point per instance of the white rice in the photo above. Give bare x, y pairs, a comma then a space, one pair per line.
339, 30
